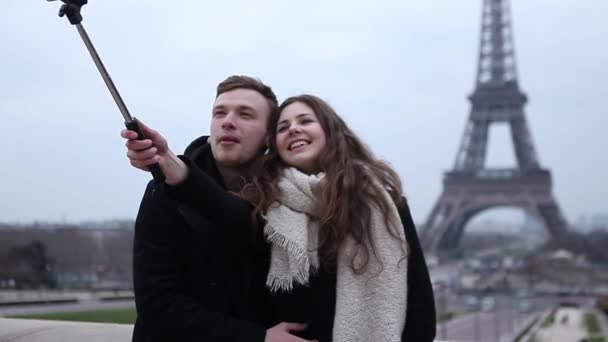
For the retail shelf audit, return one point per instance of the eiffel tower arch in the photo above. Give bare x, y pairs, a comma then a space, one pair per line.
470, 187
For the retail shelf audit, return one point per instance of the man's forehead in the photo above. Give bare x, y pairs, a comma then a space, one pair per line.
240, 97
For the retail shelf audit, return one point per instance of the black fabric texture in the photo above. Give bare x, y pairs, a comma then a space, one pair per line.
194, 280
313, 304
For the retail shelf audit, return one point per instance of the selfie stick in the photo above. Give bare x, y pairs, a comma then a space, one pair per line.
71, 9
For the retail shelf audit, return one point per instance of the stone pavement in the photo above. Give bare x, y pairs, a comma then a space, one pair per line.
569, 326
25, 330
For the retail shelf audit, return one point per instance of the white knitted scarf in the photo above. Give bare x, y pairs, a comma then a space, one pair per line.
370, 307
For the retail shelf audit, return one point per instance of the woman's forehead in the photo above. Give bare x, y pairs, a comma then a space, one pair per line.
295, 110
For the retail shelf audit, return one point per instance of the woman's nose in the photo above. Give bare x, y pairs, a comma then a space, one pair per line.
294, 129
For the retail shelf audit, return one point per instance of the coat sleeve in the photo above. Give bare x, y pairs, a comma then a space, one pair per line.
420, 322
165, 309
203, 194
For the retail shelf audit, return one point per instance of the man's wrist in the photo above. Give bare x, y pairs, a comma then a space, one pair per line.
176, 171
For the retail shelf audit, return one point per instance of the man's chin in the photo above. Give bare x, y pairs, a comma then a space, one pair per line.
229, 161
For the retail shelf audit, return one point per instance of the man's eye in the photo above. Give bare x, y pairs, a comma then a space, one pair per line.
247, 115
218, 113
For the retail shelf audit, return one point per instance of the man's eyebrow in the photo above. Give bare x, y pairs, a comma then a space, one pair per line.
297, 116
239, 107
245, 107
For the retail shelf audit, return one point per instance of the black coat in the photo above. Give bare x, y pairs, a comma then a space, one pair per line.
315, 304
193, 279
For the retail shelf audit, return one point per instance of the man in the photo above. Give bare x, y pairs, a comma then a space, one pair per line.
194, 280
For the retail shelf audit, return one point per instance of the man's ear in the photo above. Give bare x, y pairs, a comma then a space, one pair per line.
266, 144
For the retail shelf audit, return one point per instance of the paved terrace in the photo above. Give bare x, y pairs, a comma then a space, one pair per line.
26, 330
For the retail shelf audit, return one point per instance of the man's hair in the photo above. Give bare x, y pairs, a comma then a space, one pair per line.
247, 82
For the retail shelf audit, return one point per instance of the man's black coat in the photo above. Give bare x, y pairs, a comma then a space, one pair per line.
194, 281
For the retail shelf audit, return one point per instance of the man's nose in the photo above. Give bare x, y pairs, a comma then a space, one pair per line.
228, 122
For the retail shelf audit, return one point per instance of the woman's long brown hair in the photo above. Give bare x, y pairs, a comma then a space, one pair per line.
353, 185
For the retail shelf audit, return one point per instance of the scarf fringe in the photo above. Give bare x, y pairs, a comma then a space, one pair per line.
278, 282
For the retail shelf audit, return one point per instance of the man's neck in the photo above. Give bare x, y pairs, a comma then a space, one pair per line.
234, 178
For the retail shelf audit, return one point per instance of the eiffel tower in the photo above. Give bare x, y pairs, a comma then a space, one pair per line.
470, 188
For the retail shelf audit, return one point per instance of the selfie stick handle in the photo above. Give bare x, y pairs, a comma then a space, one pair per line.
72, 11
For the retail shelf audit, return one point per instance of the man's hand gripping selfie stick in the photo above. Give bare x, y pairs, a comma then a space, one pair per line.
71, 9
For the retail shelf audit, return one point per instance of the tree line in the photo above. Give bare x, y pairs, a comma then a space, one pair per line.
65, 256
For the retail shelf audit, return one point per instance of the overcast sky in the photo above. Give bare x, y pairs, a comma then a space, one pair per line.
397, 71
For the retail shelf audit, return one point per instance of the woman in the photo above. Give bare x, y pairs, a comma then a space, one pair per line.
332, 210
345, 257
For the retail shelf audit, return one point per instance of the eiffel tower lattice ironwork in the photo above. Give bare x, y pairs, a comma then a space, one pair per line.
471, 187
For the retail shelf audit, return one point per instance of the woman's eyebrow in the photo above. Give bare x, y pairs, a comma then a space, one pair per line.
297, 116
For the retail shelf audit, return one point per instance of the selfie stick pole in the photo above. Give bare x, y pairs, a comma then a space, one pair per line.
71, 9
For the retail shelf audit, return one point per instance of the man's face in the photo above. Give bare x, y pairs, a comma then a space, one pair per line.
238, 127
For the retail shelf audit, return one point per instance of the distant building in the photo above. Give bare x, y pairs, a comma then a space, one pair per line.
589, 223
599, 221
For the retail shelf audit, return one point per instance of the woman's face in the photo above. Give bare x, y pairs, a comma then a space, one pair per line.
300, 138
